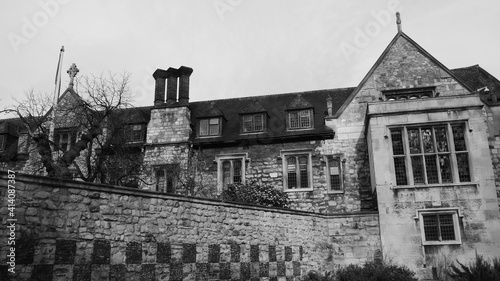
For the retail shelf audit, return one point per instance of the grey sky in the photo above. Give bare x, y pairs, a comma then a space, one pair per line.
236, 47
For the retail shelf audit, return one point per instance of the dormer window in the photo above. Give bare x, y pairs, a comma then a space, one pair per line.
410, 93
134, 133
253, 123
300, 119
210, 127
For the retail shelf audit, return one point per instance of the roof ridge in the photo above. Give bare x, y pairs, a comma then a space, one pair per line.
280, 94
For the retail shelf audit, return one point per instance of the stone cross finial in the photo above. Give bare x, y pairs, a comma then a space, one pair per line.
72, 71
398, 21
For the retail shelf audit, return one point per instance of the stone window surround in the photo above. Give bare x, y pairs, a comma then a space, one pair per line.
299, 111
283, 155
326, 160
452, 153
456, 214
409, 93
219, 159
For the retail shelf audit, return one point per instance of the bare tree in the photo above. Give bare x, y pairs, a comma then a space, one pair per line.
94, 114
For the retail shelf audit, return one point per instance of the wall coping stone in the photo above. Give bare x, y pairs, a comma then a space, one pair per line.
97, 187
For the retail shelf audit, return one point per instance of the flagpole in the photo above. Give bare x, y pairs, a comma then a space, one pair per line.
57, 91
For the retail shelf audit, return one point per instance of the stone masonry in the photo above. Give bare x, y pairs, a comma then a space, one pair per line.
70, 230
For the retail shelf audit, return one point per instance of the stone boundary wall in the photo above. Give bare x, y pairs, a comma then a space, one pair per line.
67, 230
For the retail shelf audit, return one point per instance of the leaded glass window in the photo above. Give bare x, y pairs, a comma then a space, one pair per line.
253, 123
439, 227
430, 154
334, 173
300, 119
297, 171
232, 171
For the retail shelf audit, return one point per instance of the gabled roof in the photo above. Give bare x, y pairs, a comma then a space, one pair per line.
477, 78
276, 107
381, 59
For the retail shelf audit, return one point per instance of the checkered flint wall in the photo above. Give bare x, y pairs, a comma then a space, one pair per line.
116, 260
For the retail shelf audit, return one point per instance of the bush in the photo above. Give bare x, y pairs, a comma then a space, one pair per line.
370, 271
254, 193
478, 270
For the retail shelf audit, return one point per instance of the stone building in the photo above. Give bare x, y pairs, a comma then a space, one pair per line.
415, 141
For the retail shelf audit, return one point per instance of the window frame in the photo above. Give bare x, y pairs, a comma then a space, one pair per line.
72, 135
208, 120
334, 157
3, 142
456, 214
452, 154
253, 130
129, 133
299, 121
167, 170
297, 153
220, 159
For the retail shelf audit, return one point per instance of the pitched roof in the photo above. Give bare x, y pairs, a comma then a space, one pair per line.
276, 107
380, 60
477, 78
135, 115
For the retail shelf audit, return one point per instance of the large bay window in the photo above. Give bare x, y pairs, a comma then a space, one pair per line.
430, 154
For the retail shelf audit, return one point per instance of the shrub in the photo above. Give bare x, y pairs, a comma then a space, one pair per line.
370, 271
316, 276
478, 270
255, 193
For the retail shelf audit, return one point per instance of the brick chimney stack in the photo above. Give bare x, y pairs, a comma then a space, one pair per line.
176, 83
184, 74
159, 75
172, 75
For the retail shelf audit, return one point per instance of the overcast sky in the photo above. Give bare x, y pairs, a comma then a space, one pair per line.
236, 47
